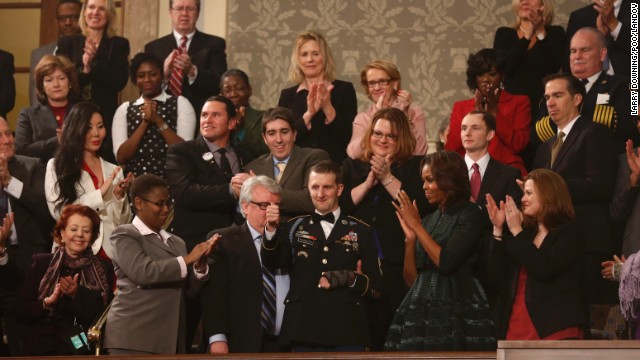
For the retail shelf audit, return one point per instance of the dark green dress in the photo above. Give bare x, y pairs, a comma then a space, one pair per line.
446, 308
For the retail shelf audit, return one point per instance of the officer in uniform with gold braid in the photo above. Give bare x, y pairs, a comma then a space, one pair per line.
608, 99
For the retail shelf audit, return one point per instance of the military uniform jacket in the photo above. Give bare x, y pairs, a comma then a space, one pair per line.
318, 316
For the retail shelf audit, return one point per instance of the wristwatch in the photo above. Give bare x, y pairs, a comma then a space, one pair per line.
163, 127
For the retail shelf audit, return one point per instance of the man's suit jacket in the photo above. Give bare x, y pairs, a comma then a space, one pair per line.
625, 208
36, 132
619, 50
148, 313
232, 298
36, 56
295, 196
616, 115
587, 163
31, 217
7, 83
207, 53
203, 197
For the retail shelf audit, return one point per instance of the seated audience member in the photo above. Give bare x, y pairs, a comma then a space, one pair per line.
582, 154
78, 174
333, 274
155, 274
534, 49
446, 308
612, 18
286, 163
607, 100
234, 85
193, 60
443, 132
67, 287
144, 129
382, 84
243, 301
67, 16
538, 261
324, 107
371, 184
39, 126
486, 176
8, 83
485, 73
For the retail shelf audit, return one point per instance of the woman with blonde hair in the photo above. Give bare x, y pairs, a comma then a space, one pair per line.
324, 107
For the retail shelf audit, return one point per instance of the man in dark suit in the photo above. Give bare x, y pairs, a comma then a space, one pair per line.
243, 301
487, 176
204, 61
582, 154
612, 18
7, 83
21, 193
67, 15
279, 134
334, 265
607, 100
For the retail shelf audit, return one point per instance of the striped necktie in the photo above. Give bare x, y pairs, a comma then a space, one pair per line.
280, 165
268, 316
177, 75
555, 148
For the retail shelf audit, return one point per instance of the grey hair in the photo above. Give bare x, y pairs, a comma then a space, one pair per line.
246, 192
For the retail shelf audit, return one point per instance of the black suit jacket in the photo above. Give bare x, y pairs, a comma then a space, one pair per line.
616, 115
109, 71
36, 132
232, 297
207, 53
200, 189
619, 50
32, 220
332, 138
587, 164
7, 83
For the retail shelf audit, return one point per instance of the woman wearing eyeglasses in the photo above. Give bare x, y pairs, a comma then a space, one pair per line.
372, 182
381, 81
155, 274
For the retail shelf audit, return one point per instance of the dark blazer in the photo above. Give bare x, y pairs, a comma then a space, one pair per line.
616, 115
36, 132
619, 50
31, 216
553, 295
315, 316
109, 71
207, 53
295, 196
232, 298
625, 208
46, 334
332, 138
7, 83
203, 198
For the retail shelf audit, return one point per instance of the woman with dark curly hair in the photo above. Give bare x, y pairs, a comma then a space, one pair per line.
485, 74
79, 174
446, 308
143, 130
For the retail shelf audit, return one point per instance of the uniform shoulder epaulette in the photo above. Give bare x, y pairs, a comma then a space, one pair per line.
544, 129
298, 217
358, 220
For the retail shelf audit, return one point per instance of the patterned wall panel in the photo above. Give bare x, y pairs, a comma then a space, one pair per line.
429, 40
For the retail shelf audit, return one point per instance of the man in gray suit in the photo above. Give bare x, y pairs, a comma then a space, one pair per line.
67, 15
286, 162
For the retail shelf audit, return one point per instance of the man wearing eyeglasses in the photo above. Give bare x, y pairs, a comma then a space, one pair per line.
243, 301
67, 15
193, 60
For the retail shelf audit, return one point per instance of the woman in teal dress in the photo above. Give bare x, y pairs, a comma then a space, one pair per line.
446, 308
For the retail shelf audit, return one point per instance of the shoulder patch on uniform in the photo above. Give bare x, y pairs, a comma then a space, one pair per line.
298, 217
358, 220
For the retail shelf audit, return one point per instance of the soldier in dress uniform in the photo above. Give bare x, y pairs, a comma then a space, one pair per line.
334, 264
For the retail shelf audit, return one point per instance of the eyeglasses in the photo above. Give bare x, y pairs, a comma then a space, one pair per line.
263, 205
382, 82
68, 17
188, 9
160, 204
379, 135
229, 90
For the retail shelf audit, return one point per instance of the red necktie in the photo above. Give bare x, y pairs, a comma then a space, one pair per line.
175, 80
475, 182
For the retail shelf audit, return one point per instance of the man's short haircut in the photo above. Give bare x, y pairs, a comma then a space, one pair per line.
74, 2
197, 4
601, 40
574, 85
488, 119
278, 113
231, 110
328, 167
